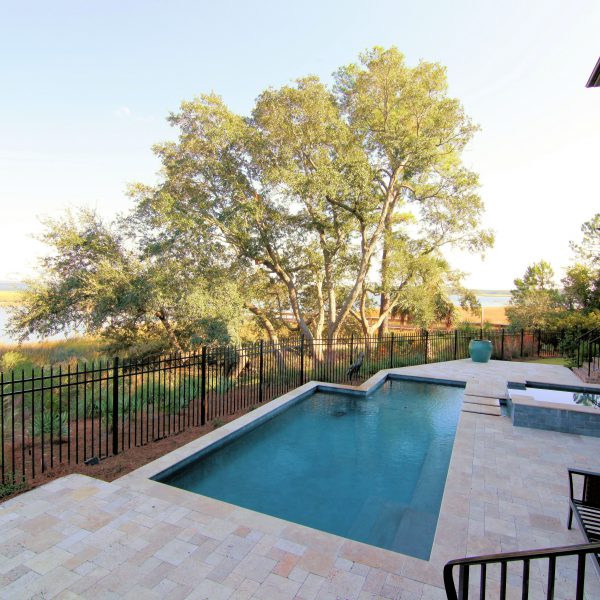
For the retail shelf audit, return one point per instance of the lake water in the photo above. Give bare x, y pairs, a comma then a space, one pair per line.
6, 339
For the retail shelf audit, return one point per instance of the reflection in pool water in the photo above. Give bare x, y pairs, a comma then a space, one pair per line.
586, 399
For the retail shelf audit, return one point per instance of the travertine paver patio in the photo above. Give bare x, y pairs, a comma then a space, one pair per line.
78, 537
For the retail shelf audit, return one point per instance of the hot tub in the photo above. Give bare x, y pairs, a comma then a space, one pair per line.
566, 409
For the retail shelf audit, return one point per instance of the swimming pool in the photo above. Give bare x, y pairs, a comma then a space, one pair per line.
369, 468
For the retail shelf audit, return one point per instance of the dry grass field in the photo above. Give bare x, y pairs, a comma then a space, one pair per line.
10, 297
32, 355
495, 315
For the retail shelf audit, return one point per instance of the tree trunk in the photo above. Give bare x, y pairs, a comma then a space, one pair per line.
330, 287
385, 275
383, 308
265, 322
164, 319
271, 332
368, 246
242, 362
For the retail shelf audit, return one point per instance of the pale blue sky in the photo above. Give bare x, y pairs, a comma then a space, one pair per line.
85, 87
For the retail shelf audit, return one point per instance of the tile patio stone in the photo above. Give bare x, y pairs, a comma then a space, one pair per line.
506, 489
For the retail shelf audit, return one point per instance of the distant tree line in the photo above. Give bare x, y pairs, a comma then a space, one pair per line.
538, 301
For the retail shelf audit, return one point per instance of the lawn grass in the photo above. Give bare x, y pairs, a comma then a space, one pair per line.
550, 361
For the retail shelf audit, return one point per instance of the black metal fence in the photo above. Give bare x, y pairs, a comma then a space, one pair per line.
585, 351
65, 415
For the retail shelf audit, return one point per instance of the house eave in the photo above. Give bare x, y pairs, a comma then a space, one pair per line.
594, 80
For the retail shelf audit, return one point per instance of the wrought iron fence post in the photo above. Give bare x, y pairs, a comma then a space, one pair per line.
455, 344
502, 346
351, 347
426, 344
539, 342
392, 350
302, 359
522, 337
3, 453
115, 406
203, 389
260, 372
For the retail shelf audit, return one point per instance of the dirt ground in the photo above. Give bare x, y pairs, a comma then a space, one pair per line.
114, 467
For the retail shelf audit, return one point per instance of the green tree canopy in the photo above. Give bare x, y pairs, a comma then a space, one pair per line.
325, 199
588, 250
535, 299
102, 279
581, 283
336, 193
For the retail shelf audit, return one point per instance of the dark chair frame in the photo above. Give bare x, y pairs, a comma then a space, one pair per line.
587, 507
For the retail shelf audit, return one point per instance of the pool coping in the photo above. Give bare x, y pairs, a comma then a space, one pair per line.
166, 465
177, 459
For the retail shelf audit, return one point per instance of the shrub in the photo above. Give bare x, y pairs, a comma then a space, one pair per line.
11, 486
57, 424
12, 360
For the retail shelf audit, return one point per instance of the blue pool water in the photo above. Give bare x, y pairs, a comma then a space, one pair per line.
371, 469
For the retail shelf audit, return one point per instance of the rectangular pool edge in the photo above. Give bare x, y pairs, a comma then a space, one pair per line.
380, 379
296, 440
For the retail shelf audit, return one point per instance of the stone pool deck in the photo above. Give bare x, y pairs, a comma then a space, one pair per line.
79, 537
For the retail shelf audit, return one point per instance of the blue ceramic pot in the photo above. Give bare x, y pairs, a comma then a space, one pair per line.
480, 350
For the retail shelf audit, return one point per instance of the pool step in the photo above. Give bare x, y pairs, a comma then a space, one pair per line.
481, 400
481, 405
490, 388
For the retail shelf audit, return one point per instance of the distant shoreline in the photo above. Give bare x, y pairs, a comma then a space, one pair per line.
492, 293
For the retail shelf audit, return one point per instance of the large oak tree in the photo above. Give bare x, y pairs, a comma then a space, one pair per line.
326, 200
337, 192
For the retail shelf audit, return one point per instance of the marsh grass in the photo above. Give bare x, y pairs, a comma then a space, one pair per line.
10, 297
35, 355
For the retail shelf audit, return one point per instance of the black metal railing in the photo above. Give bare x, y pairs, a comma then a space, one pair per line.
520, 573
591, 351
88, 411
585, 350
593, 357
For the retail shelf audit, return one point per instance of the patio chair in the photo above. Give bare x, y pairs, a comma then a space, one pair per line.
586, 508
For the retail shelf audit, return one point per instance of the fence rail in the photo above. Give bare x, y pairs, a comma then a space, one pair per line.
59, 415
485, 569
586, 351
